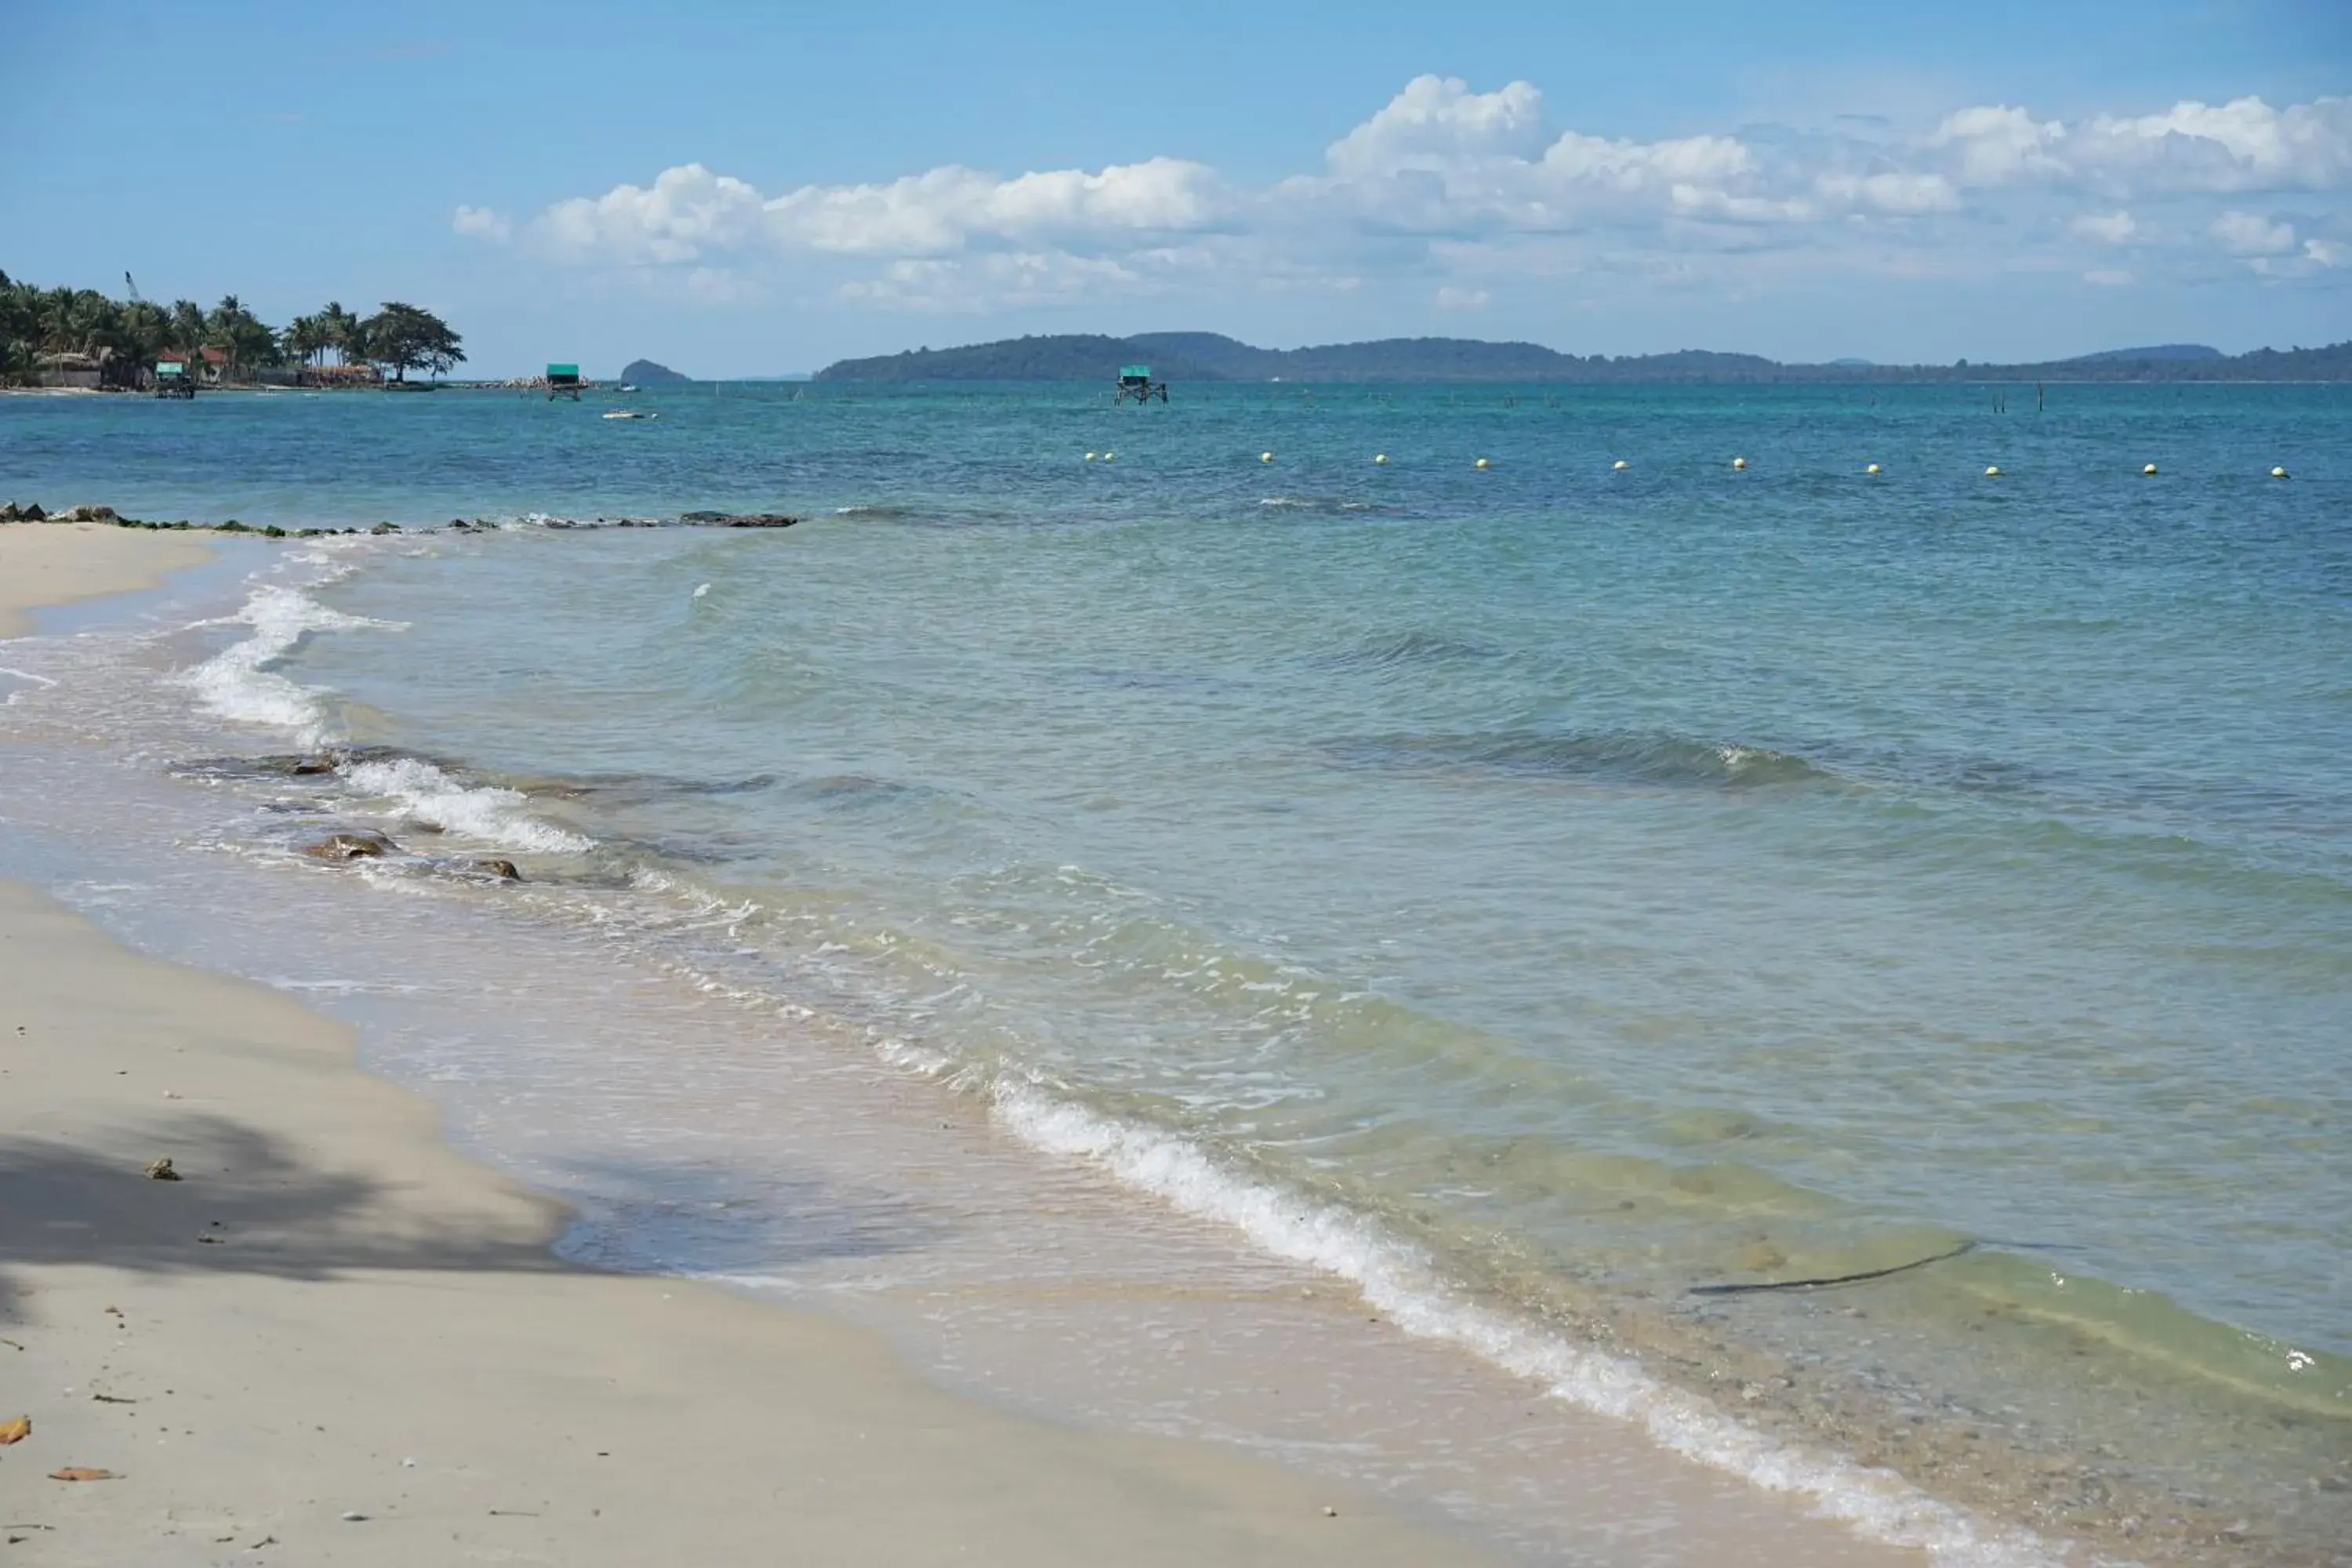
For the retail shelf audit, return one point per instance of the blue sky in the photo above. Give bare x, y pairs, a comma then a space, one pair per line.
749, 189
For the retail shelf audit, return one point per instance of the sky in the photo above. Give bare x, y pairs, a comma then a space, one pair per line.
747, 189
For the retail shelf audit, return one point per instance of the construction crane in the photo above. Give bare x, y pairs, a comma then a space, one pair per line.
127, 283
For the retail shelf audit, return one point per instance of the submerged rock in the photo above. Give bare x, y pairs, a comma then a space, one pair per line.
352, 843
736, 519
504, 870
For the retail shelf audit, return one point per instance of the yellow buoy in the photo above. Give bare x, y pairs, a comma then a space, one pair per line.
1738, 462
1620, 465
1091, 456
1109, 456
1380, 457
1479, 464
2278, 473
1265, 456
1872, 470
2149, 469
1994, 472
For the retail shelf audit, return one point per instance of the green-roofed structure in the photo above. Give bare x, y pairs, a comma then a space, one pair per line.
1135, 382
564, 381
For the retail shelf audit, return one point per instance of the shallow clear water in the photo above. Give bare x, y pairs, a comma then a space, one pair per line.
1601, 883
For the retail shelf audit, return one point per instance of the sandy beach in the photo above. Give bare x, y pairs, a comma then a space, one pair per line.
331, 1339
58, 562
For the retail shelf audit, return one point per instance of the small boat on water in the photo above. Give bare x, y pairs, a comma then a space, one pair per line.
629, 413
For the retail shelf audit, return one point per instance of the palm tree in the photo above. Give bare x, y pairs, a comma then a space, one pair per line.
344, 334
187, 326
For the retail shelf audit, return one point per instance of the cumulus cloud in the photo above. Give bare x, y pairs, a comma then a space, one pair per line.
2110, 229
482, 223
2241, 146
1444, 169
1451, 298
2243, 234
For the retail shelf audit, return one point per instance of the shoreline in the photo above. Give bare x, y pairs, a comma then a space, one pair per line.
1689, 1532
332, 1312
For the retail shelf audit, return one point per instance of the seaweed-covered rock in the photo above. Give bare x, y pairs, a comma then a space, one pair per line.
352, 843
736, 519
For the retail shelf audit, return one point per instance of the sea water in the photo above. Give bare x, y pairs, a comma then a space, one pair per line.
1538, 895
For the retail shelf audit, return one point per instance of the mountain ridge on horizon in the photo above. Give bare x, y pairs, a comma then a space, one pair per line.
1213, 356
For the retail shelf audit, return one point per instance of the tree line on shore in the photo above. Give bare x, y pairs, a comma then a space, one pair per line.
122, 338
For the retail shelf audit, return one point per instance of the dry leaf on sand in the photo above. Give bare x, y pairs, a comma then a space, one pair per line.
81, 1473
15, 1430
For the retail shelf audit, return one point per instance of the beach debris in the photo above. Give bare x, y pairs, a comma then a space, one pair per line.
1330, 1512
15, 1429
82, 1473
353, 1516
352, 844
161, 1169
1749, 1289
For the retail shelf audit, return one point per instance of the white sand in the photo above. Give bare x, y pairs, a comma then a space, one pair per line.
57, 562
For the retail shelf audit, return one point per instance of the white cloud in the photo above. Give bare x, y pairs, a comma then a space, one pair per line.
1436, 121
991, 281
2111, 228
2108, 278
1993, 144
1451, 298
1448, 180
482, 223
2242, 145
2243, 234
2327, 252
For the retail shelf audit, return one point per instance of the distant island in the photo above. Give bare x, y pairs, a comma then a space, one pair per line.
1211, 356
644, 373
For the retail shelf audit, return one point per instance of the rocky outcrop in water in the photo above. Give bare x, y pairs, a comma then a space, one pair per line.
352, 843
31, 511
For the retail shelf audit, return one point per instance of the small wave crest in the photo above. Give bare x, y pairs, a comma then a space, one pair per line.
238, 682
1406, 649
496, 815
1398, 1279
1626, 756
1324, 506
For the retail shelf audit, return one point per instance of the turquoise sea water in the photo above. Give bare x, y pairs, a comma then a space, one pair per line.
1600, 883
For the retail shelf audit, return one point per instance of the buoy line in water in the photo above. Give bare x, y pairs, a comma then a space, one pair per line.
1740, 464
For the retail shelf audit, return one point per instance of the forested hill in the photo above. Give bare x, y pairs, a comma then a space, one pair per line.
1210, 356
